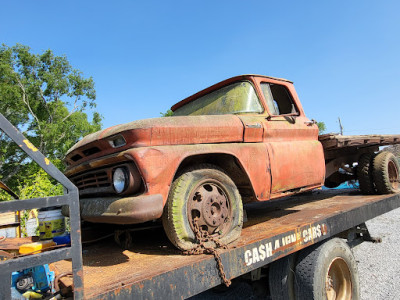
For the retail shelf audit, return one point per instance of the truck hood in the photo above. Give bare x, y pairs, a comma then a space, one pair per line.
163, 131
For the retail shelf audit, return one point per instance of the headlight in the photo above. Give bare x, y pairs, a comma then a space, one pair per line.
120, 180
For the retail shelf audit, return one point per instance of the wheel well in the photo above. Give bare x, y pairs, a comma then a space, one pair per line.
226, 162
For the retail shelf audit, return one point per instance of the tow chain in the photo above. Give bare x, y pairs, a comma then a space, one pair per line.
202, 238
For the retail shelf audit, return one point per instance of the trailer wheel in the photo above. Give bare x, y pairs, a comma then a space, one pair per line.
327, 271
386, 173
281, 278
207, 194
364, 174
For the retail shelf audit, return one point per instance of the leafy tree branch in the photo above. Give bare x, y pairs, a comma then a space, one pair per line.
46, 98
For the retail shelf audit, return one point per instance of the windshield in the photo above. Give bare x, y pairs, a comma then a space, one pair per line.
239, 97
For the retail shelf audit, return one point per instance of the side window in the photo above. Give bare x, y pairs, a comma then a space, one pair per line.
278, 99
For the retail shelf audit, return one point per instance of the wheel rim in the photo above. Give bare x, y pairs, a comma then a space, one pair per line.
338, 280
393, 175
210, 205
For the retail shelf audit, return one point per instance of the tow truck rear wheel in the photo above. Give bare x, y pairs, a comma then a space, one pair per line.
327, 271
386, 173
364, 174
281, 278
206, 194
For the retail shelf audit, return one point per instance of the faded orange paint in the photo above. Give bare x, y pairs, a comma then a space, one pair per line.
280, 155
159, 164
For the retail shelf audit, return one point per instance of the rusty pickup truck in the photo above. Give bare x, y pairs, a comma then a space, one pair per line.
244, 139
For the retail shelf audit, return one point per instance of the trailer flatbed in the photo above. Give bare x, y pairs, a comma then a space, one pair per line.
154, 269
332, 141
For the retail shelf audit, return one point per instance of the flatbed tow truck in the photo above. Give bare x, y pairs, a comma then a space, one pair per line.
291, 241
154, 269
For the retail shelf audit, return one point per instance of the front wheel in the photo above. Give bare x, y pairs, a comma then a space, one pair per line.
205, 194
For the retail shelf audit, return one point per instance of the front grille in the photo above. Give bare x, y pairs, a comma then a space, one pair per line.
92, 180
76, 157
91, 151
99, 182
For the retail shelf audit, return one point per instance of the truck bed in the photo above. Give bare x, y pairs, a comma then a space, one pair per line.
332, 141
154, 269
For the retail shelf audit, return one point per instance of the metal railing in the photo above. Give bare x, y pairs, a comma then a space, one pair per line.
70, 198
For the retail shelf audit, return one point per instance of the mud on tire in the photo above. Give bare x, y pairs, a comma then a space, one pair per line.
204, 192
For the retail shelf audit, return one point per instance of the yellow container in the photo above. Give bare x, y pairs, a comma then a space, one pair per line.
51, 224
36, 247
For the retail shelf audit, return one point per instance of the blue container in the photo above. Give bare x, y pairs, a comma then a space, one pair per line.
62, 239
38, 278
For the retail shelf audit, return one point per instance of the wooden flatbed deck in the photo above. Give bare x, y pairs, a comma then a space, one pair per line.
154, 269
335, 141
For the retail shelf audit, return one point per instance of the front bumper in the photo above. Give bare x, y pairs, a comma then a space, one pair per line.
127, 210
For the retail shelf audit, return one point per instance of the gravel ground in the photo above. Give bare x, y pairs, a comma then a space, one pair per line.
379, 264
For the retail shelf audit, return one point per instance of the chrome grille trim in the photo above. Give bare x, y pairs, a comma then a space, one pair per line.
96, 179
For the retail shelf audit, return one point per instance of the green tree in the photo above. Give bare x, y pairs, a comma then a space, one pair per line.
46, 98
168, 113
321, 127
39, 185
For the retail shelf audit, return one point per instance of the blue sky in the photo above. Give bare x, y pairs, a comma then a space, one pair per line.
144, 56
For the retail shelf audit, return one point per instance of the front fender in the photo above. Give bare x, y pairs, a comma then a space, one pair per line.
158, 165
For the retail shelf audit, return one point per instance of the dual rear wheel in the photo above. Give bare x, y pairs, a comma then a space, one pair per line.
324, 271
378, 173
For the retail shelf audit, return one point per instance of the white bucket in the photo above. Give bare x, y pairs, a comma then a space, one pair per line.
51, 223
31, 226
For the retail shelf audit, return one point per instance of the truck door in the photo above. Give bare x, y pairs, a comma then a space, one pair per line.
296, 155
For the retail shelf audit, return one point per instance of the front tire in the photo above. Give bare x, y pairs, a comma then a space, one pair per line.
206, 193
